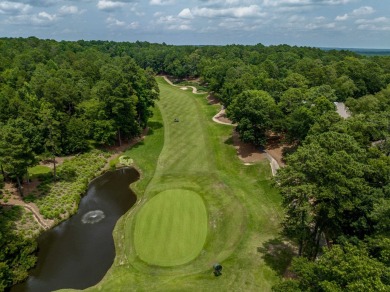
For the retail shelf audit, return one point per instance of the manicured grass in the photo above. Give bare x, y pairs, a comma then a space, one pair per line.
243, 209
38, 170
198, 87
171, 228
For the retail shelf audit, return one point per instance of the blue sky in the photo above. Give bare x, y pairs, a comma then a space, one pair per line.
323, 23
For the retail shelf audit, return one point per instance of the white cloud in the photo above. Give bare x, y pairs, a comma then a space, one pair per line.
107, 5
161, 2
13, 8
320, 18
174, 23
313, 26
36, 3
364, 10
167, 19
179, 27
134, 9
113, 22
374, 27
342, 17
186, 13
296, 18
46, 16
133, 25
375, 20
235, 12
232, 24
40, 19
335, 2
68, 10
304, 2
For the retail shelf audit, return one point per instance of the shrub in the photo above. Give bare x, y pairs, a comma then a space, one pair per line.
29, 198
64, 196
125, 160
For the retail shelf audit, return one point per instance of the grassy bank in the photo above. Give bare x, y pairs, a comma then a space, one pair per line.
243, 210
59, 200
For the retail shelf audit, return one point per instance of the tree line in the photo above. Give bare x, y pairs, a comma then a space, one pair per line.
294, 85
65, 97
58, 98
335, 187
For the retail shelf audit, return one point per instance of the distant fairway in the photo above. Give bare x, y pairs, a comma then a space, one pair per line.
197, 205
171, 228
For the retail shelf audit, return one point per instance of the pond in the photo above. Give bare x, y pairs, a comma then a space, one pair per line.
78, 252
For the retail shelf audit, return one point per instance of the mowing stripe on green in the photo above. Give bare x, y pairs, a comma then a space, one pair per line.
171, 228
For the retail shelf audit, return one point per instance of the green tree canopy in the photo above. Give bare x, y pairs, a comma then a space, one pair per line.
256, 112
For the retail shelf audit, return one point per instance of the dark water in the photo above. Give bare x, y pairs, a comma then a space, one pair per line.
75, 254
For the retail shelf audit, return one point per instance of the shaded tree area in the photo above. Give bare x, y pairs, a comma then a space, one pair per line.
60, 98
342, 268
16, 250
303, 81
336, 193
66, 95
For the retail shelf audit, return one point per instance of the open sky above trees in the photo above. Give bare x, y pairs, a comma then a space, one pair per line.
322, 23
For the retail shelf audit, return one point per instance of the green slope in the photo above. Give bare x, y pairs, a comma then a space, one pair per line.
243, 210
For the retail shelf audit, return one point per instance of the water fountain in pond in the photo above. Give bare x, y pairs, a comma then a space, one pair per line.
93, 217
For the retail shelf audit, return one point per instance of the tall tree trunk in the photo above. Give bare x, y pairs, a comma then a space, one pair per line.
317, 247
302, 231
119, 137
317, 241
313, 241
54, 169
19, 186
2, 172
28, 177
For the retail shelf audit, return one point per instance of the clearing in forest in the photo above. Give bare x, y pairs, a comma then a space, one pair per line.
197, 205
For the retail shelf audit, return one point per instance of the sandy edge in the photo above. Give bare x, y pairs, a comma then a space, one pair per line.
252, 155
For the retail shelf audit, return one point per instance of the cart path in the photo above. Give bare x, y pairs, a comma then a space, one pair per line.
33, 209
273, 162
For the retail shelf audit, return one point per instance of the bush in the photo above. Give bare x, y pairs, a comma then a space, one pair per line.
125, 160
112, 164
29, 198
61, 199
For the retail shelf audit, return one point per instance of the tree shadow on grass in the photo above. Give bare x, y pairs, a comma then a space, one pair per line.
155, 125
139, 144
229, 141
277, 254
152, 126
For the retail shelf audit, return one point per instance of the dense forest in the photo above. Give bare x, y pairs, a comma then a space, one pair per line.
69, 97
61, 99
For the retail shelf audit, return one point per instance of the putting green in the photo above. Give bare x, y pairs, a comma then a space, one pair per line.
171, 228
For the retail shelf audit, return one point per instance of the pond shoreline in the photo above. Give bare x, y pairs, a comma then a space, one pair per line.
77, 254
46, 224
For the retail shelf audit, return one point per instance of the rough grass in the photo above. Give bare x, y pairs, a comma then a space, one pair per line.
243, 208
171, 228
59, 200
